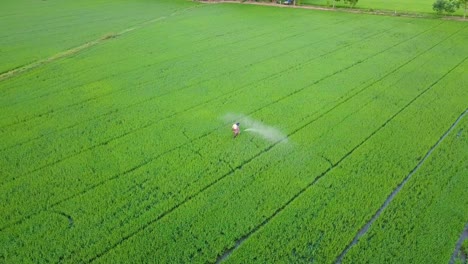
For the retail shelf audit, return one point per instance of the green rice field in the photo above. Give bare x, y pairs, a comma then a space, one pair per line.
116, 142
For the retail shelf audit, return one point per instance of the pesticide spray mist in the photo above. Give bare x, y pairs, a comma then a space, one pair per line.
251, 125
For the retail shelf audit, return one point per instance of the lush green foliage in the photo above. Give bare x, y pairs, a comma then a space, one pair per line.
122, 153
449, 6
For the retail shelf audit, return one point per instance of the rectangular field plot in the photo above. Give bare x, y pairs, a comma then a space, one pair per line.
122, 151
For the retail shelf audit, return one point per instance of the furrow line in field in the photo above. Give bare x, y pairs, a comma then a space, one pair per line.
138, 165
239, 242
240, 40
85, 101
53, 26
22, 69
136, 69
170, 116
202, 189
392, 195
384, 76
90, 188
369, 85
200, 137
40, 115
203, 136
390, 198
163, 50
187, 199
141, 164
107, 142
211, 132
14, 72
458, 246
116, 176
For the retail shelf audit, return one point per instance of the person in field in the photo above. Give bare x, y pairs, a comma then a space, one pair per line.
236, 129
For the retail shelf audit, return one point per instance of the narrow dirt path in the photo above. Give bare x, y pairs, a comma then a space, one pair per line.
67, 53
390, 198
369, 11
458, 250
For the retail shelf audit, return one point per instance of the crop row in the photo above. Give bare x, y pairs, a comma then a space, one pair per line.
121, 214
42, 29
149, 74
100, 61
152, 144
105, 120
322, 222
427, 215
208, 226
141, 89
130, 123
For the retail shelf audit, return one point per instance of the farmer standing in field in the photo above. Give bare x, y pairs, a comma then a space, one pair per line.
236, 129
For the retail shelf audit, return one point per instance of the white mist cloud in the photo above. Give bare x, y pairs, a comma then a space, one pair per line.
251, 125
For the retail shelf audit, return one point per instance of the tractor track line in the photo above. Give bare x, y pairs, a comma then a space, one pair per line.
64, 54
231, 43
84, 70
187, 199
145, 163
162, 94
116, 176
359, 62
363, 230
184, 111
169, 92
208, 133
134, 168
83, 102
189, 109
463, 236
242, 239
239, 242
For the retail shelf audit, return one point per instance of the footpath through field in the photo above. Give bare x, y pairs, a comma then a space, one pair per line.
339, 9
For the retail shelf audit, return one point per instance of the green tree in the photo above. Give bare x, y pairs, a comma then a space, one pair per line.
439, 6
451, 6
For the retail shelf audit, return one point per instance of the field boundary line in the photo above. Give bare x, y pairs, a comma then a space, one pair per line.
208, 133
363, 230
70, 52
233, 170
217, 180
55, 110
457, 250
225, 95
163, 61
39, 115
228, 252
145, 162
